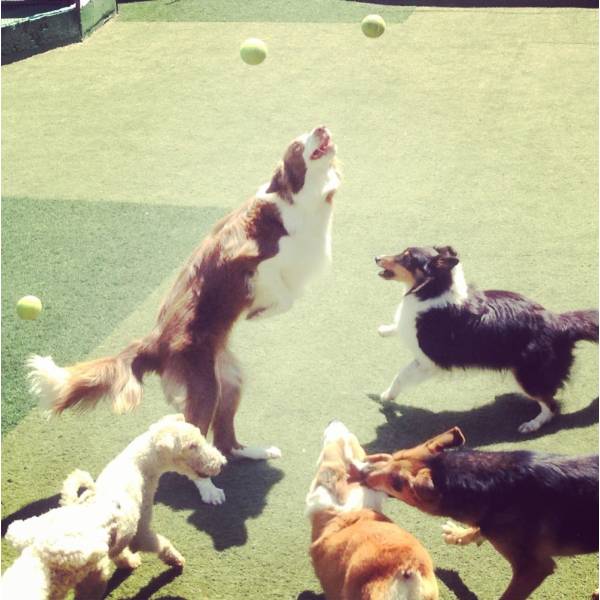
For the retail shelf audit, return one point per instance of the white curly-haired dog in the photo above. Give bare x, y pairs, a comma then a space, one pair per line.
71, 546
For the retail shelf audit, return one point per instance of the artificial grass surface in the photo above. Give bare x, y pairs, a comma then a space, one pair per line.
83, 260
473, 128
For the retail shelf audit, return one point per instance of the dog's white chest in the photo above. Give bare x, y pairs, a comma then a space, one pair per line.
406, 317
302, 254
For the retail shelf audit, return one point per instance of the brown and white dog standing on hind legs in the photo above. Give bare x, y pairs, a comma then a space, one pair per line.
530, 506
255, 263
356, 551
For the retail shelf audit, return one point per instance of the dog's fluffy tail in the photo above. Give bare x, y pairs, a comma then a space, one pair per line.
84, 384
581, 325
409, 584
77, 480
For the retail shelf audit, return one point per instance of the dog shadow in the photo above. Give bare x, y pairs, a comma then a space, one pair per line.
493, 423
455, 584
34, 509
151, 588
309, 595
246, 484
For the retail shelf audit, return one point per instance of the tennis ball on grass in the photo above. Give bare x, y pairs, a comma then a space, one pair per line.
29, 308
373, 26
253, 51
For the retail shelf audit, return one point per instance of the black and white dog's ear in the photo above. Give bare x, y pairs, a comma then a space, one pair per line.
446, 250
443, 262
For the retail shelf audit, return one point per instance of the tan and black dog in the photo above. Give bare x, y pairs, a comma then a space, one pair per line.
529, 506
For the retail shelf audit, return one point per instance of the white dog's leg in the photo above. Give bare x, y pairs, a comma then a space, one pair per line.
414, 373
209, 492
93, 587
147, 540
256, 452
387, 330
128, 559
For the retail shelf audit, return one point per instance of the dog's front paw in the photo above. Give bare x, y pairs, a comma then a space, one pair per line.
386, 330
459, 536
128, 560
256, 452
387, 396
173, 558
529, 426
209, 492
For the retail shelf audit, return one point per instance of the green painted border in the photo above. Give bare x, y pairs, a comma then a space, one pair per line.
25, 37
39, 33
95, 13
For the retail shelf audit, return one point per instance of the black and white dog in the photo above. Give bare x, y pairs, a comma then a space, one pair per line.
447, 324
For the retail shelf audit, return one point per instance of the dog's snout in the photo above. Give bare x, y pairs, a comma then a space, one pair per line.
377, 259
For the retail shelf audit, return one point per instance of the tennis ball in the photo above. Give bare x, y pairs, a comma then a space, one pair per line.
253, 51
373, 26
29, 308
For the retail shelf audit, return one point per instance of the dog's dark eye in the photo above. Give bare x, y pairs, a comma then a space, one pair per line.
397, 482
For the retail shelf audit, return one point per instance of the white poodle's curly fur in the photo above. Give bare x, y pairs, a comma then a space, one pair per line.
71, 546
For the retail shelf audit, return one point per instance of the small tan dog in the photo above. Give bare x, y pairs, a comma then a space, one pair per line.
71, 546
357, 552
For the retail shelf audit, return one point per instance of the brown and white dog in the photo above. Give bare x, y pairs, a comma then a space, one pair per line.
255, 263
356, 551
530, 506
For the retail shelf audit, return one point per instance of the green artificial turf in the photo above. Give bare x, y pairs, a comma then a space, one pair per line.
48, 245
476, 128
259, 11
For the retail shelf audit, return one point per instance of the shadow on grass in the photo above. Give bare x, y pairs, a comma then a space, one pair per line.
35, 509
246, 484
308, 595
455, 584
492, 423
151, 588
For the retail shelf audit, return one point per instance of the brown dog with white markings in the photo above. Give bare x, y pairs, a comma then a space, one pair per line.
254, 263
356, 551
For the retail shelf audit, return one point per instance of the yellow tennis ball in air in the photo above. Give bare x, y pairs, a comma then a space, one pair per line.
373, 26
253, 51
29, 308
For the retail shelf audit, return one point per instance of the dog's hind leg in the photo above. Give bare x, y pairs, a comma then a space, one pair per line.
548, 410
229, 374
534, 384
202, 399
93, 586
414, 373
202, 388
541, 372
527, 577
230, 380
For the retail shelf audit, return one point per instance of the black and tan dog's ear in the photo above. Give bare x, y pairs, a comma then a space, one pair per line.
423, 488
449, 439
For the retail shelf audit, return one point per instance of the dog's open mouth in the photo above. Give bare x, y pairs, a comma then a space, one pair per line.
323, 149
386, 274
